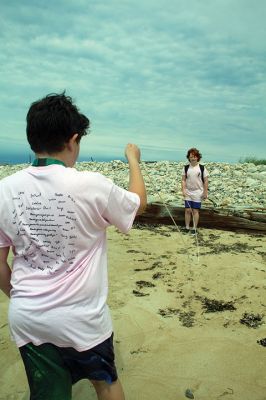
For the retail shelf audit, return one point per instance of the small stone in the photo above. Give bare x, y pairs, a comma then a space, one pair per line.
226, 201
189, 394
251, 182
262, 342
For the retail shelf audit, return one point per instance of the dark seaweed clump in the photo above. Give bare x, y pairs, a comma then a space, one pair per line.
142, 284
168, 312
252, 320
262, 342
139, 294
154, 265
217, 305
186, 318
236, 248
157, 275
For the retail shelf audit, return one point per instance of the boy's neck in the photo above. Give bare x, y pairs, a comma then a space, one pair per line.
57, 156
44, 161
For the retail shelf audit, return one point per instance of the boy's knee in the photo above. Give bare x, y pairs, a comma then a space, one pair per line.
104, 390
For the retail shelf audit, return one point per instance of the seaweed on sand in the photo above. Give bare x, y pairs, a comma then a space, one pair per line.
251, 320
168, 312
262, 342
139, 294
154, 265
212, 305
186, 318
142, 284
235, 248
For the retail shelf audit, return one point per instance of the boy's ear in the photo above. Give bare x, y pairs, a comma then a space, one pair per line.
72, 141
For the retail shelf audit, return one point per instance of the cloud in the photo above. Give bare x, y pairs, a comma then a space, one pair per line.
175, 74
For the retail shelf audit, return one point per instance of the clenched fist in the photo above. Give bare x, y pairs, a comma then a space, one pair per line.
132, 152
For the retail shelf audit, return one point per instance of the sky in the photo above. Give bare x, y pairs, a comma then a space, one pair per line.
167, 75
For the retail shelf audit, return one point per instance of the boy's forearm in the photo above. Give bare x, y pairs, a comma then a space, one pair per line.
5, 277
5, 271
205, 185
136, 184
183, 185
205, 189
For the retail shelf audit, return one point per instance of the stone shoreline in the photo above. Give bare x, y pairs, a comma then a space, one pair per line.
237, 186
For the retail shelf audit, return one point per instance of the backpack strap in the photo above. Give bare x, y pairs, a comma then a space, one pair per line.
202, 172
186, 169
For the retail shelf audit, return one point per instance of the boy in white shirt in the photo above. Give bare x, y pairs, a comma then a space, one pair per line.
55, 219
194, 188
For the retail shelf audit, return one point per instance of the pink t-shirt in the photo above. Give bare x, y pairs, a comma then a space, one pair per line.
55, 218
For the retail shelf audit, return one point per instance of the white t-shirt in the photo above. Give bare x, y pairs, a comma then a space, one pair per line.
55, 218
194, 184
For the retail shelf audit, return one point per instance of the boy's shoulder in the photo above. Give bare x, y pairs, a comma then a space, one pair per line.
186, 167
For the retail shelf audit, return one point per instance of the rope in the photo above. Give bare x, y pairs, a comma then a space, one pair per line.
170, 214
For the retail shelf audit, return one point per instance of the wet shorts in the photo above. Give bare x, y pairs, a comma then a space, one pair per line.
192, 204
51, 370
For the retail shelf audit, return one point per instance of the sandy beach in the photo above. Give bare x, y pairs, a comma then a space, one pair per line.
190, 321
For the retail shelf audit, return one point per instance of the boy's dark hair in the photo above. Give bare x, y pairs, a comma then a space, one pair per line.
52, 121
195, 152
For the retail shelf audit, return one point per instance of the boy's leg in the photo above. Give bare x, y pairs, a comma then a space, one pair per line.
106, 391
187, 217
195, 218
47, 376
98, 365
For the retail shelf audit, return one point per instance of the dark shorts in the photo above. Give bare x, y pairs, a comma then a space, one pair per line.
51, 370
192, 204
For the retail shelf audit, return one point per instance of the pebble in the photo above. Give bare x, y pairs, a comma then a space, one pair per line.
189, 394
240, 186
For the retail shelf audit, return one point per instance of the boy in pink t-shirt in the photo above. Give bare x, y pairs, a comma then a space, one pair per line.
194, 188
55, 219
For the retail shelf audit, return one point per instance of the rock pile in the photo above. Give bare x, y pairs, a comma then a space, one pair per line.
230, 185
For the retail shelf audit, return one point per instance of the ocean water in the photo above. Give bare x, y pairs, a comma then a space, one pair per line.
11, 158
26, 157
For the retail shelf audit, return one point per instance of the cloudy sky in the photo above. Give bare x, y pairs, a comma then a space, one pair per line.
165, 74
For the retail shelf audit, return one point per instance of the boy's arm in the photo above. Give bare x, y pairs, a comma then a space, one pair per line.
136, 182
205, 188
5, 271
183, 185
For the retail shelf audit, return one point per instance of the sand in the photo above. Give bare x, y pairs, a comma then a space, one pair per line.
177, 313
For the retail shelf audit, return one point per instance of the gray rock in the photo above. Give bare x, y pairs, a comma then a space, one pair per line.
189, 394
251, 182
